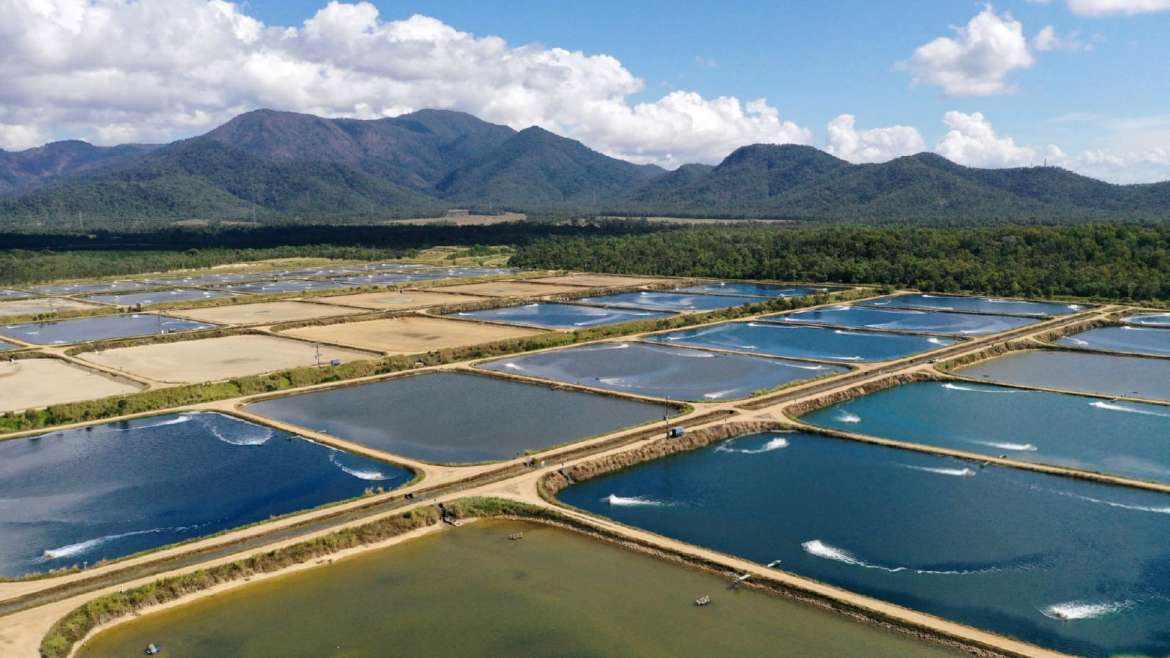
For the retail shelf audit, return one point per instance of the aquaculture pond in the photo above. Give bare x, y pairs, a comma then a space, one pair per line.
560, 316
1062, 563
671, 301
98, 328
1150, 319
1122, 438
88, 288
457, 417
977, 305
861, 317
666, 372
472, 592
747, 289
1138, 340
801, 341
379, 279
158, 297
107, 491
288, 285
1083, 372
13, 294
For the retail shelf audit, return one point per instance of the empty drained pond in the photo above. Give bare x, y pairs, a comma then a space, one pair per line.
666, 372
1062, 563
126, 487
803, 342
458, 417
1082, 372
927, 322
471, 593
560, 316
98, 328
1121, 438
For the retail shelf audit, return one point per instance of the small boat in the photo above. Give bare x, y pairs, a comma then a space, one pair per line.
516, 536
152, 649
703, 601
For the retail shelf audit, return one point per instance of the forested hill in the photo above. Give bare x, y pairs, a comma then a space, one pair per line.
284, 165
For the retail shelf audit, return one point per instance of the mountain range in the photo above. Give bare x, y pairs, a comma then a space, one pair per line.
284, 165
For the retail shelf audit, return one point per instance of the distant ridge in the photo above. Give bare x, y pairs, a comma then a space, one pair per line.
289, 166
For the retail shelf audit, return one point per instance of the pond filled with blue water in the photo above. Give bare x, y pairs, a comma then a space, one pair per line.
805, 342
861, 317
1138, 340
1121, 438
158, 297
560, 316
108, 491
289, 285
670, 301
98, 328
458, 417
664, 372
1066, 564
1082, 372
976, 305
1150, 319
748, 289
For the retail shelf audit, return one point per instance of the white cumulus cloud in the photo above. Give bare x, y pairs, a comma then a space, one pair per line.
873, 145
971, 140
116, 71
977, 60
1111, 7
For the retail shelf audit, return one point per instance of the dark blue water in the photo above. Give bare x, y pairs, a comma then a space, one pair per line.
108, 491
1150, 319
670, 301
1138, 340
665, 372
88, 288
977, 304
290, 285
158, 297
746, 289
1006, 550
458, 418
860, 317
98, 328
1083, 372
560, 316
1122, 438
801, 341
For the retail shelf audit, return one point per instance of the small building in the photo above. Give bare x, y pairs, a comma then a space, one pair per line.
676, 432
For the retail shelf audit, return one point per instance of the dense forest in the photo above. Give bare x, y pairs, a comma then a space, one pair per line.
1101, 261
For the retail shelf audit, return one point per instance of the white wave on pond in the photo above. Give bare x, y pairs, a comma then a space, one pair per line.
1113, 406
777, 443
978, 389
633, 501
848, 417
826, 551
1081, 610
254, 435
368, 473
83, 547
1015, 447
953, 472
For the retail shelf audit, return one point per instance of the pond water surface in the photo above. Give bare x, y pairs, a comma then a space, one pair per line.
800, 341
560, 316
670, 301
977, 304
945, 323
1083, 372
98, 328
1137, 340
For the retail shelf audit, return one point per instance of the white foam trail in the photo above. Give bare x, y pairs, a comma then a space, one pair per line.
371, 474
1112, 406
691, 354
1081, 610
610, 346
1077, 341
799, 366
973, 389
719, 394
953, 472
777, 443
829, 552
512, 366
936, 341
1110, 503
162, 423
83, 547
254, 440
1017, 447
633, 501
848, 417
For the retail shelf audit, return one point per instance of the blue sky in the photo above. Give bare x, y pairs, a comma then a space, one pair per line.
1082, 83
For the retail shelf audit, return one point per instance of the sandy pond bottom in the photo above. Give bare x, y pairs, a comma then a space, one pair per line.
471, 593
1066, 564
